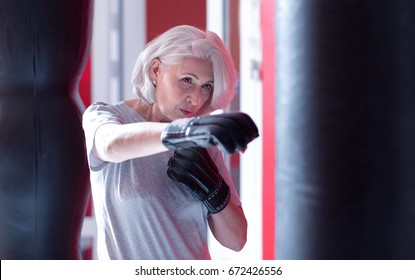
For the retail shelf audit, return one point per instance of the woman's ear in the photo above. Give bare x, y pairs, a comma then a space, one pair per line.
155, 69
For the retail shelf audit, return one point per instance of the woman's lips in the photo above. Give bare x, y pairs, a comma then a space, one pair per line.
185, 112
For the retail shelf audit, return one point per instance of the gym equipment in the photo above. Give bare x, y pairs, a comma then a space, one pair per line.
44, 176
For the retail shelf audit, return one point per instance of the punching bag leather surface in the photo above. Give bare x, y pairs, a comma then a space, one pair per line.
44, 185
345, 129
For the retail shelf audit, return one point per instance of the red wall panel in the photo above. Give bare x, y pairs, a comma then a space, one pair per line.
268, 145
85, 94
162, 15
85, 84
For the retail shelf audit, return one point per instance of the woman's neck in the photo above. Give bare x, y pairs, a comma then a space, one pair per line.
150, 112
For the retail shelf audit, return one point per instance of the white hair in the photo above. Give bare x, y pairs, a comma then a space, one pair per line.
187, 41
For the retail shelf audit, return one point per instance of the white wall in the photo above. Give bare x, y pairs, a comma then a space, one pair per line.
251, 103
119, 36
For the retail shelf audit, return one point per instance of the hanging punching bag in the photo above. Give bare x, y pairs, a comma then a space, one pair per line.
345, 129
44, 185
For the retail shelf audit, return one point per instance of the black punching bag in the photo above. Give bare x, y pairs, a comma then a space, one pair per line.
345, 129
44, 185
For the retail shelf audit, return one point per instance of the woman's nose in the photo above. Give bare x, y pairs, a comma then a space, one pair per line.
194, 97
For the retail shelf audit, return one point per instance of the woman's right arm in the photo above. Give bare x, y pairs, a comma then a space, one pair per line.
119, 142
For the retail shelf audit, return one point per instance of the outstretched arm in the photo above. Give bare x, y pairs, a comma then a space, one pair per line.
118, 142
231, 132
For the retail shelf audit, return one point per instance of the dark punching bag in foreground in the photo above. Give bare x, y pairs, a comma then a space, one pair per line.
345, 129
44, 185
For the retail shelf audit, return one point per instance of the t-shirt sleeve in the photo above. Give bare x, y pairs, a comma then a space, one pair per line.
95, 115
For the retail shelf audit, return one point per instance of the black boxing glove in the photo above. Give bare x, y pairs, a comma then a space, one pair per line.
231, 132
195, 169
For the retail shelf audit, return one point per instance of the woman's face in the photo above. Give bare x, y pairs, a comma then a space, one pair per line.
182, 90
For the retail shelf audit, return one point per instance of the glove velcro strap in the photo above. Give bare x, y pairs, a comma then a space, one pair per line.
218, 198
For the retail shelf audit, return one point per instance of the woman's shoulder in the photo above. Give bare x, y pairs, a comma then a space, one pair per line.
100, 105
100, 111
140, 108
122, 110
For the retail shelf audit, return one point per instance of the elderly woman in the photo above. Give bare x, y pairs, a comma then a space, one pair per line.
157, 172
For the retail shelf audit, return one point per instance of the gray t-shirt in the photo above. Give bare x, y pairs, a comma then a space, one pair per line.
140, 212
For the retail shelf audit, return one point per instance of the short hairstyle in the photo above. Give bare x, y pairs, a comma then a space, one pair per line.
187, 41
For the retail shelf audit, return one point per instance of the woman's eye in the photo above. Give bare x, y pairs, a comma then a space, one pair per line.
207, 86
187, 80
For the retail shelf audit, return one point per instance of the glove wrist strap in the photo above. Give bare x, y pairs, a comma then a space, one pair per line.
218, 198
